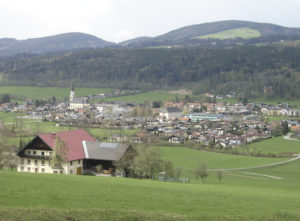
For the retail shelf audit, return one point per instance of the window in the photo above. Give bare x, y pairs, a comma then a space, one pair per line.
22, 168
28, 169
43, 170
34, 152
22, 161
43, 153
35, 162
71, 163
71, 171
43, 162
28, 152
78, 161
28, 161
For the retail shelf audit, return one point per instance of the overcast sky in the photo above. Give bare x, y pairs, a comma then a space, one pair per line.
118, 20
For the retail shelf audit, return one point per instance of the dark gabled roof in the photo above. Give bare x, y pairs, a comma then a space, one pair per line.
79, 100
104, 151
173, 110
20, 151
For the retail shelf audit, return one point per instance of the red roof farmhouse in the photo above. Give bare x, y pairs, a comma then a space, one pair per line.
83, 153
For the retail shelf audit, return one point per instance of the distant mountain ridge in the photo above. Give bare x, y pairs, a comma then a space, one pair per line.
55, 43
188, 36
191, 31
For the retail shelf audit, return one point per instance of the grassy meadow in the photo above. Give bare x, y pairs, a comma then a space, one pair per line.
148, 96
245, 33
26, 196
294, 102
60, 93
275, 145
188, 159
21, 93
287, 171
241, 195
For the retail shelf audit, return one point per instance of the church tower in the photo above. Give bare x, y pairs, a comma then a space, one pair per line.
72, 93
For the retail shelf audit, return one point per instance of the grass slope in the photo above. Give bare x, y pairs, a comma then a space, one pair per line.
245, 33
275, 145
49, 197
287, 171
190, 159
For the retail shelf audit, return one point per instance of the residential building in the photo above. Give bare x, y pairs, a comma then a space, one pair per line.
83, 153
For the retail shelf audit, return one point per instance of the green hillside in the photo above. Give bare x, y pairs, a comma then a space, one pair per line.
288, 171
246, 70
241, 195
275, 145
188, 159
55, 43
245, 33
49, 197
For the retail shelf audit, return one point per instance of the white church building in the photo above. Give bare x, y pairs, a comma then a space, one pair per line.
77, 103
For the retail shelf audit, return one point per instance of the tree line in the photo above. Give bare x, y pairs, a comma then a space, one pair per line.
247, 70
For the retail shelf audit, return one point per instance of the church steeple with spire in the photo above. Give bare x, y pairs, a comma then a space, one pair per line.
72, 93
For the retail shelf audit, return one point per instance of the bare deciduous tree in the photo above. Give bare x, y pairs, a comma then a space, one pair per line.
201, 171
59, 154
220, 175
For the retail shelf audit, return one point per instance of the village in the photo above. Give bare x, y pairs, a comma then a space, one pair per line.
214, 124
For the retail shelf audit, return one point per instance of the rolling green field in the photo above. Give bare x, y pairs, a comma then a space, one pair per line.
149, 96
26, 196
275, 145
245, 33
188, 159
47, 92
21, 93
239, 195
288, 171
10, 117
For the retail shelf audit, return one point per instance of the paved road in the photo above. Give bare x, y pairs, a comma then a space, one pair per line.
263, 166
264, 175
288, 137
26, 122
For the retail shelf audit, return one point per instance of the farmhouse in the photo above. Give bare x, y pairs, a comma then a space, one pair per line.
83, 153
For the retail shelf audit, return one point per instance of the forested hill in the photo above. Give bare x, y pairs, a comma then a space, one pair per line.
61, 42
218, 34
243, 69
